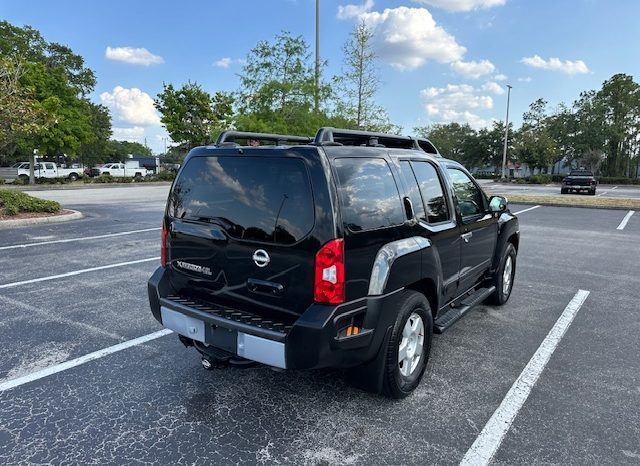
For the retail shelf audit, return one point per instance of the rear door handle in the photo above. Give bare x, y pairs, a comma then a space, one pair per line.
466, 236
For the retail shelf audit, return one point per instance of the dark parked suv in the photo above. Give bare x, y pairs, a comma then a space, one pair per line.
348, 250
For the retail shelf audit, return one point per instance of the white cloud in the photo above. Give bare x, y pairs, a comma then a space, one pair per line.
555, 64
134, 134
135, 56
223, 62
493, 87
456, 102
500, 77
131, 106
462, 5
407, 37
525, 80
473, 69
353, 11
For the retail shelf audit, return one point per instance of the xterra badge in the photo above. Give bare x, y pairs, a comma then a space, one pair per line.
194, 267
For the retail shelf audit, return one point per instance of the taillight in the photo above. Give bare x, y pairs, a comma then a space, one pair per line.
163, 246
329, 274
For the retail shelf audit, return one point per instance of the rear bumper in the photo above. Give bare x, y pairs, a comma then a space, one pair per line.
310, 342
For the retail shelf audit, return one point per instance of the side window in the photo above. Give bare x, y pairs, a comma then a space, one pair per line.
368, 192
432, 192
49, 166
470, 198
412, 186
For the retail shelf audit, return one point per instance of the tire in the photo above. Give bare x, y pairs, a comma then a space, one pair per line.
593, 192
504, 287
24, 178
402, 376
563, 191
73, 176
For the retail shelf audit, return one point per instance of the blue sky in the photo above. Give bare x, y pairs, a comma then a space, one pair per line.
440, 60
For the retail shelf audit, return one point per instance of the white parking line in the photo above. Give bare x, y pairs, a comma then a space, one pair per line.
81, 360
489, 440
76, 272
625, 220
71, 240
526, 210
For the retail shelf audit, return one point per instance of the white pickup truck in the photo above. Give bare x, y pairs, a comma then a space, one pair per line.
41, 170
128, 169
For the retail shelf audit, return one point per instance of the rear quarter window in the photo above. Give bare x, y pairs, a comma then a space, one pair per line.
368, 194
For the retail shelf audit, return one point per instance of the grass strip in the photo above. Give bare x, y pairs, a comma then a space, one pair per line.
569, 200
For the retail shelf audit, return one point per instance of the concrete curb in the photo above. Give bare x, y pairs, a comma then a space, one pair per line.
73, 215
63, 187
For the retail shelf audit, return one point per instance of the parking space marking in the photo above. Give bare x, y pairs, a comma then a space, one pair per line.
526, 210
8, 385
489, 440
71, 240
77, 272
625, 220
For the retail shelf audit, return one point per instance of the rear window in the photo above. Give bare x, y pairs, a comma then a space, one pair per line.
368, 193
266, 199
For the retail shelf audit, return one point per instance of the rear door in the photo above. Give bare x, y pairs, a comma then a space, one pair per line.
436, 218
478, 230
240, 232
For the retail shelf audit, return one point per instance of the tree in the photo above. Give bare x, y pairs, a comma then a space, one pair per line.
27, 44
277, 89
119, 150
96, 150
19, 114
453, 140
67, 118
359, 82
191, 116
619, 104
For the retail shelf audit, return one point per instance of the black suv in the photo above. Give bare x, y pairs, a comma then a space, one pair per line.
348, 250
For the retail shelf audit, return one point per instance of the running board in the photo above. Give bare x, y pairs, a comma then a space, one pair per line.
454, 314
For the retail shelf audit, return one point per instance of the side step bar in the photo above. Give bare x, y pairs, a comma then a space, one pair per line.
454, 314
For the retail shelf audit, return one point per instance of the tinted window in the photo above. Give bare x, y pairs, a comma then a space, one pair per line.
49, 166
369, 194
264, 199
432, 194
412, 189
470, 198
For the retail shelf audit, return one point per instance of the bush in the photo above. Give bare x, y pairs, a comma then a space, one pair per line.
57, 180
617, 180
102, 179
543, 178
166, 175
14, 202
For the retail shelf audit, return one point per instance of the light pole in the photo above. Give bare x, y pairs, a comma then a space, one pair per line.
317, 93
506, 134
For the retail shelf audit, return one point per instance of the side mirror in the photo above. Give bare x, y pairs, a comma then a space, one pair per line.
498, 204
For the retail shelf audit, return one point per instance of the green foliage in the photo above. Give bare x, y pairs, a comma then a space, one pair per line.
356, 87
15, 202
49, 109
119, 150
96, 150
27, 45
166, 175
191, 115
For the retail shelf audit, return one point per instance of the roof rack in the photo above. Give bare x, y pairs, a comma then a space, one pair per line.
228, 138
350, 137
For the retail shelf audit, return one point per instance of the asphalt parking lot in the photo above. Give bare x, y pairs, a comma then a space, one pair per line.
153, 403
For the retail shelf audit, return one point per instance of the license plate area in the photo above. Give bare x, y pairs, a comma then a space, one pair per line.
182, 324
